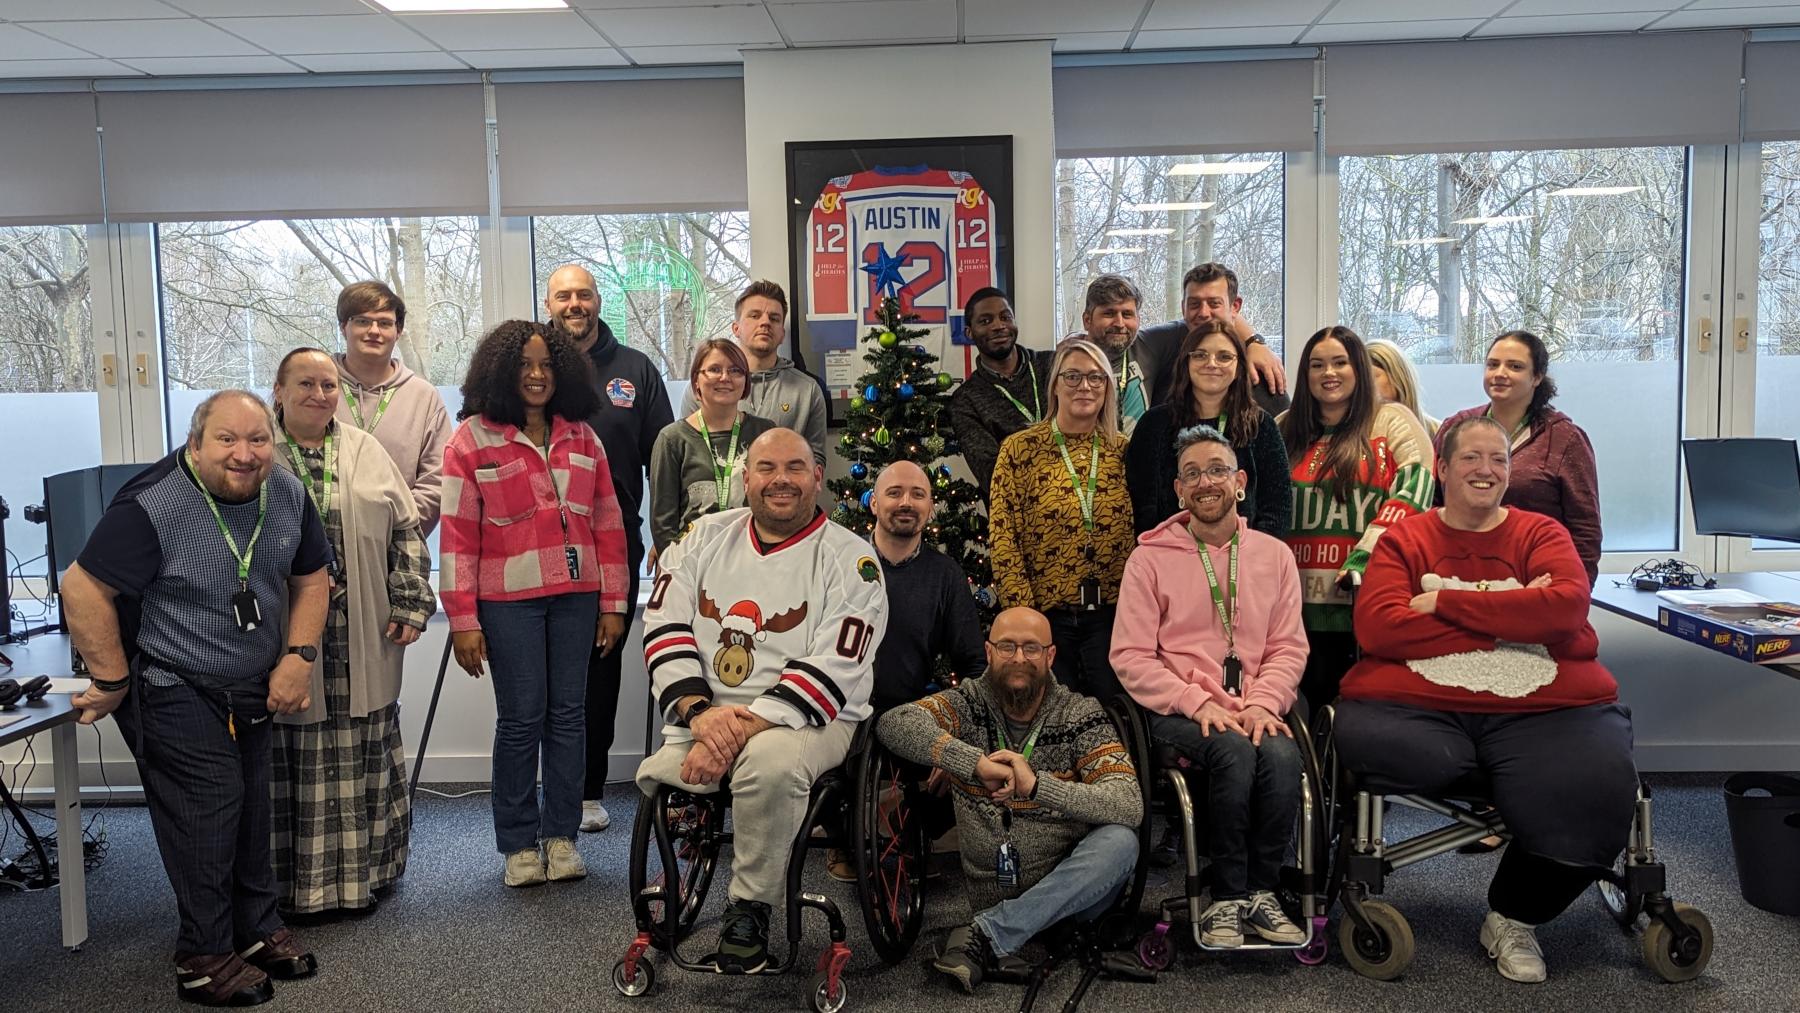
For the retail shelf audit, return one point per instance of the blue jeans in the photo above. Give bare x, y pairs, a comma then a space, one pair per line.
1082, 886
538, 653
1253, 795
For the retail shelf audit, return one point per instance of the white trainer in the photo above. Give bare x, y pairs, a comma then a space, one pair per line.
525, 867
594, 817
564, 861
1514, 949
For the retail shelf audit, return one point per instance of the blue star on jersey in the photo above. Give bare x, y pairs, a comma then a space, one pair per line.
886, 270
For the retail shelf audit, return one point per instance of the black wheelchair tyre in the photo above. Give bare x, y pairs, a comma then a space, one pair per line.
891, 852
696, 857
643, 980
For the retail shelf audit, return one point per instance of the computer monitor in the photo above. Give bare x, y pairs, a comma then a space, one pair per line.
1747, 487
74, 501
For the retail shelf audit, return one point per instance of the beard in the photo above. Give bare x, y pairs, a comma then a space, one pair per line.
904, 524
567, 326
1213, 512
1019, 696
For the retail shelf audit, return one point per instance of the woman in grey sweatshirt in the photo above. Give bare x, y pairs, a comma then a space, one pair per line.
697, 463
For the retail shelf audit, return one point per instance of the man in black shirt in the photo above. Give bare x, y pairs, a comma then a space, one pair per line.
1007, 390
634, 407
175, 602
931, 612
1207, 291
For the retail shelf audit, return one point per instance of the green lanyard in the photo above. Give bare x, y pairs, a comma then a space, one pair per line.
262, 510
321, 496
1085, 498
1224, 601
380, 409
1512, 437
1030, 740
722, 471
1036, 403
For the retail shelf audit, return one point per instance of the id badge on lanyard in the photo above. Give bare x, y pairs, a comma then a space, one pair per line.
1006, 854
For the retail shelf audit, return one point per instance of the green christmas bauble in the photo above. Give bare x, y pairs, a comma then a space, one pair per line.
944, 380
848, 441
934, 445
888, 339
883, 437
857, 401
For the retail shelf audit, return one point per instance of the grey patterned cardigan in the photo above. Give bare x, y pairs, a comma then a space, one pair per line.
1085, 777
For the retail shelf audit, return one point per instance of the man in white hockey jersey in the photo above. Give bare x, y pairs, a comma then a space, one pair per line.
760, 638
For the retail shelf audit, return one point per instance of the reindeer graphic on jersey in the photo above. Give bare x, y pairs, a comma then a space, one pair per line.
741, 627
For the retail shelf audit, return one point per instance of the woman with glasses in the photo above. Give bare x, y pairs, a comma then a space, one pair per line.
697, 464
1214, 389
1060, 517
1358, 466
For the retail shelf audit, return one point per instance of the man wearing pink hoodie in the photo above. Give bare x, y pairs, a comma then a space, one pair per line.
1208, 639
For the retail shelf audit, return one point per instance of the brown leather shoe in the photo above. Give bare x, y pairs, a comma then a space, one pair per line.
282, 956
220, 979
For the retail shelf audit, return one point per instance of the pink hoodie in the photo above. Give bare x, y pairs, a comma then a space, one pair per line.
1168, 647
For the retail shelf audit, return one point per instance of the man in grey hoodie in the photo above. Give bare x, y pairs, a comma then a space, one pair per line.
780, 391
385, 399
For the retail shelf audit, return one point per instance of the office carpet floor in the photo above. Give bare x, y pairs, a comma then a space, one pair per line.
451, 938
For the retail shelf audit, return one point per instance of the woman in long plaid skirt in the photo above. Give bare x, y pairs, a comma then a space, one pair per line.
342, 815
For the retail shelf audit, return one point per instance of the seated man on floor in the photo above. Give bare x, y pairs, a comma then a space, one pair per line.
791, 609
1479, 663
1218, 672
1047, 799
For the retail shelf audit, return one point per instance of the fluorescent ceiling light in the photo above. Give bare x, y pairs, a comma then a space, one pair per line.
1491, 219
1177, 205
1426, 241
1140, 232
1594, 191
1219, 168
479, 6
1103, 251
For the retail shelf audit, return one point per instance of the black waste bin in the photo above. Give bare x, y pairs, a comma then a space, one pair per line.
1764, 813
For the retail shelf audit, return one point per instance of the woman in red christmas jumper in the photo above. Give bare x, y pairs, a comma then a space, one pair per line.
1478, 660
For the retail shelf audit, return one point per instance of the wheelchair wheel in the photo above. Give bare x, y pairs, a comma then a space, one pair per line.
1677, 960
1624, 906
1382, 953
821, 999
891, 852
642, 981
691, 838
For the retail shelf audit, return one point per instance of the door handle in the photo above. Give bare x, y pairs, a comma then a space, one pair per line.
1741, 334
1706, 335
109, 369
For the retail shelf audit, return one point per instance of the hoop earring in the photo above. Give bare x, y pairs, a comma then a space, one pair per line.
1240, 495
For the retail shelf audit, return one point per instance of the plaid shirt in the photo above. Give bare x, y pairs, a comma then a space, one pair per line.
506, 525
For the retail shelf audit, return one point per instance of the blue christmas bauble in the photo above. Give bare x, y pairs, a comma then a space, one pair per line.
870, 394
868, 497
943, 471
859, 471
919, 349
905, 391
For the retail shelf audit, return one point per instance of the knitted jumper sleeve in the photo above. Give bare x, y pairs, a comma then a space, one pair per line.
1105, 789
1274, 482
1409, 486
927, 732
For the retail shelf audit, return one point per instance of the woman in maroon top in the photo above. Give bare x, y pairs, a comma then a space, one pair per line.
1553, 471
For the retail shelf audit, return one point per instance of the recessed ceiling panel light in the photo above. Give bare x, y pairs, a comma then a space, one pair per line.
1177, 205
1423, 241
1594, 191
1219, 168
1104, 250
1140, 232
1491, 219
469, 6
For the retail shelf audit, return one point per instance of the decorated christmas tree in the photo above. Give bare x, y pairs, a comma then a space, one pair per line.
901, 413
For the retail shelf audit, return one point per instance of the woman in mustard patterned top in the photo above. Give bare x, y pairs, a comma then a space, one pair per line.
1359, 467
1060, 517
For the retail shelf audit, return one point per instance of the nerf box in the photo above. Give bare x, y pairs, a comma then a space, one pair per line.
1767, 633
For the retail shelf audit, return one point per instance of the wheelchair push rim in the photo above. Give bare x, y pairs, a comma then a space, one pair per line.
891, 852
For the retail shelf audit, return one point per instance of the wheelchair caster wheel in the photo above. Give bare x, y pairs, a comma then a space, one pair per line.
822, 999
1154, 949
1381, 951
1675, 959
642, 980
1624, 907
1313, 953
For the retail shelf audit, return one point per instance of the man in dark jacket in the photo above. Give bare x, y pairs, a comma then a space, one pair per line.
1007, 390
634, 407
1207, 291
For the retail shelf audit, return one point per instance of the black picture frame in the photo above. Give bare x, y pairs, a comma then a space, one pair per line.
812, 165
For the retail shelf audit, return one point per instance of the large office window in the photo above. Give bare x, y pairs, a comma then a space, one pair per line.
1586, 249
49, 408
1778, 293
1151, 217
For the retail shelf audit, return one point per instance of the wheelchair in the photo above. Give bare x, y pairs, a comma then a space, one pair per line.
1172, 783
676, 843
1677, 938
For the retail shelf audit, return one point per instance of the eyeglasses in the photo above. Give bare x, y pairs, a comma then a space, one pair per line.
375, 323
1202, 356
1216, 474
1031, 649
1075, 378
720, 372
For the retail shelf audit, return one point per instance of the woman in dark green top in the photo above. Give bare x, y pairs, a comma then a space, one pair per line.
1211, 387
697, 463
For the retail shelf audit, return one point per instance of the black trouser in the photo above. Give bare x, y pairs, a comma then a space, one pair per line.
208, 794
1329, 654
1083, 639
603, 688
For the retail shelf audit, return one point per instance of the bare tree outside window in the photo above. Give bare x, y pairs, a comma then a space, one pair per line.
1778, 298
1151, 217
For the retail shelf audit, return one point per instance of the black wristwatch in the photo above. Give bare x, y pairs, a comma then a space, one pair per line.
1256, 339
695, 709
308, 653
